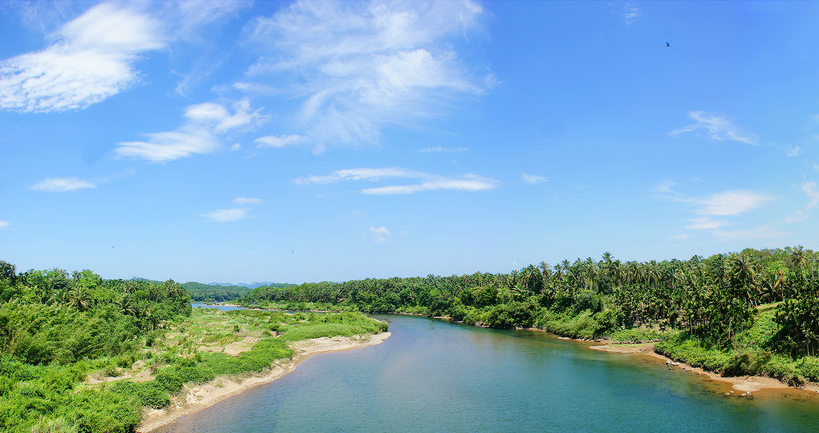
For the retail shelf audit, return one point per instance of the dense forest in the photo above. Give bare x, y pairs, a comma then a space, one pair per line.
214, 293
55, 328
756, 311
71, 343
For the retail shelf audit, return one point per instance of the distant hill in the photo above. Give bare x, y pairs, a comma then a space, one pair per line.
219, 292
253, 285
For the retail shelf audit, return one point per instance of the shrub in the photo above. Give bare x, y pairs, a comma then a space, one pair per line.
57, 425
151, 393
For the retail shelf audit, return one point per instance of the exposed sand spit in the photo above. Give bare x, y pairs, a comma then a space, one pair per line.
744, 384
194, 399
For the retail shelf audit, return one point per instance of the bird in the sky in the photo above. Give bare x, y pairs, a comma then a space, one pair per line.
667, 45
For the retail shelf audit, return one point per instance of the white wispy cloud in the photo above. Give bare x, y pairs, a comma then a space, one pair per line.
379, 230
62, 184
439, 149
380, 234
424, 181
813, 194
357, 66
227, 215
191, 22
4, 224
188, 18
666, 186
280, 141
198, 135
42, 17
219, 118
718, 128
793, 151
68, 184
235, 213
91, 58
705, 223
248, 200
360, 174
718, 210
631, 13
533, 179
170, 145
732, 203
810, 189
468, 182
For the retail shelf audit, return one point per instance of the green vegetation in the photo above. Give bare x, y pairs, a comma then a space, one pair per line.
757, 350
215, 293
83, 354
753, 312
212, 294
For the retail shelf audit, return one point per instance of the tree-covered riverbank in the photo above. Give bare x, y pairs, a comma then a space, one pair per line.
753, 312
83, 354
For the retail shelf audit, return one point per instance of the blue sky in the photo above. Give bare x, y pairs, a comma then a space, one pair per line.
308, 141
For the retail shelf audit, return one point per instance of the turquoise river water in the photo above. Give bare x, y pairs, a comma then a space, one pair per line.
436, 376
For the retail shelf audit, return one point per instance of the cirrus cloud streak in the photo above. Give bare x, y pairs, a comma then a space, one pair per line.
424, 181
62, 184
732, 202
227, 215
718, 128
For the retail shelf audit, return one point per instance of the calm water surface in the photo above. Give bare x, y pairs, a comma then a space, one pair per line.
216, 306
437, 376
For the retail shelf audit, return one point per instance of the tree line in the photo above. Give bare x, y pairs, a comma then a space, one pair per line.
215, 293
51, 316
710, 299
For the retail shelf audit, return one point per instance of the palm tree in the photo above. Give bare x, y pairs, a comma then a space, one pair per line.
544, 269
79, 297
798, 259
617, 273
743, 274
125, 304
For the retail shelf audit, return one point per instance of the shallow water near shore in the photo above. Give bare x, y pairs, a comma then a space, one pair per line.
431, 375
216, 306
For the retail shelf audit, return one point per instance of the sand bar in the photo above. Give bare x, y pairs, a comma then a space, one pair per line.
194, 399
744, 384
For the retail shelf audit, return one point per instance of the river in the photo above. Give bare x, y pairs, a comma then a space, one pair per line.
216, 306
436, 376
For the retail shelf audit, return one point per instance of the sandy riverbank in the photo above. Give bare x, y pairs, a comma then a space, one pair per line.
192, 400
739, 383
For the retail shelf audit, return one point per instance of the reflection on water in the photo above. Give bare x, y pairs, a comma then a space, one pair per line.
437, 376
